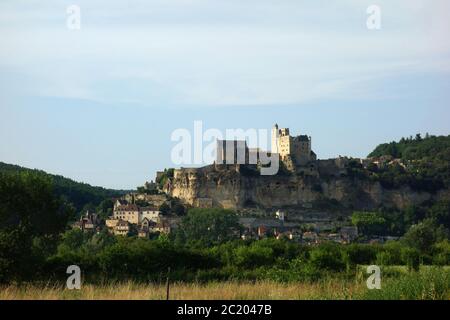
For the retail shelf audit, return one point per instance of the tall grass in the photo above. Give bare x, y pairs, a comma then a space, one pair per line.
213, 290
429, 283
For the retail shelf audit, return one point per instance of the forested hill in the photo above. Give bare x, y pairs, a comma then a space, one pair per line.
79, 194
418, 148
427, 161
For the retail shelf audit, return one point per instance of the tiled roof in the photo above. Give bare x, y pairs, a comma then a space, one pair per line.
128, 207
149, 208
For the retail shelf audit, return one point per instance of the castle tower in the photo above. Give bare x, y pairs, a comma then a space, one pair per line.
293, 150
275, 135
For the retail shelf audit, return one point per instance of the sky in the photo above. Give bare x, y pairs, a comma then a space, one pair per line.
99, 104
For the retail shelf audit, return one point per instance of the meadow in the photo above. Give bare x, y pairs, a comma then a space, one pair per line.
398, 284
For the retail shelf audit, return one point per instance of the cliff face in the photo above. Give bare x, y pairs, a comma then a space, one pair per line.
232, 189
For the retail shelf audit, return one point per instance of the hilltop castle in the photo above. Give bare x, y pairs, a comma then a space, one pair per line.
293, 151
304, 181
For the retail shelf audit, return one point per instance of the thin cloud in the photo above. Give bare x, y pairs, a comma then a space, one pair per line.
191, 53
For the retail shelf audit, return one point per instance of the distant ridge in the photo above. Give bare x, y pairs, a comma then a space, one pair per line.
78, 193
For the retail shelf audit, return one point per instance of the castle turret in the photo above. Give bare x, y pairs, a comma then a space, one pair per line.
275, 135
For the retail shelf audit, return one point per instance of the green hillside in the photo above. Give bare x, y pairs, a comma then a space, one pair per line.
427, 162
418, 148
77, 193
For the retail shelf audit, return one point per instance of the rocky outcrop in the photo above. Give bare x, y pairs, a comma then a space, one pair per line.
229, 187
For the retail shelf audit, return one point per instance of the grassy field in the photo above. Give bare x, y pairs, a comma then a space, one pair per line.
426, 284
213, 290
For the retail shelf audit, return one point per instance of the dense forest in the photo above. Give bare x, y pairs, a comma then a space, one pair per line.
78, 194
430, 148
424, 166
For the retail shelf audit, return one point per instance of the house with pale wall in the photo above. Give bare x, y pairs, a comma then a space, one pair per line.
111, 223
122, 228
148, 219
150, 213
135, 214
127, 212
146, 227
162, 225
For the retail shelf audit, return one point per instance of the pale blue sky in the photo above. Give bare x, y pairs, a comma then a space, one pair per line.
99, 105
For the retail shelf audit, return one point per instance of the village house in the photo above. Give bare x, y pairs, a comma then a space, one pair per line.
142, 233
260, 228
291, 235
148, 224
146, 227
119, 202
133, 213
310, 237
122, 228
111, 223
127, 212
88, 222
280, 215
162, 226
150, 213
145, 220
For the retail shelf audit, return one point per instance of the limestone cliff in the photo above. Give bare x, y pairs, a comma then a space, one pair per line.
231, 188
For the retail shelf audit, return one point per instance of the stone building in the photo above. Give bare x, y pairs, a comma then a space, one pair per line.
162, 226
135, 214
127, 212
111, 223
88, 222
293, 151
118, 203
150, 213
146, 228
122, 228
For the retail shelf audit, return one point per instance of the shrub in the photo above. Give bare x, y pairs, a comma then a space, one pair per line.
411, 257
327, 257
360, 254
253, 256
441, 253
